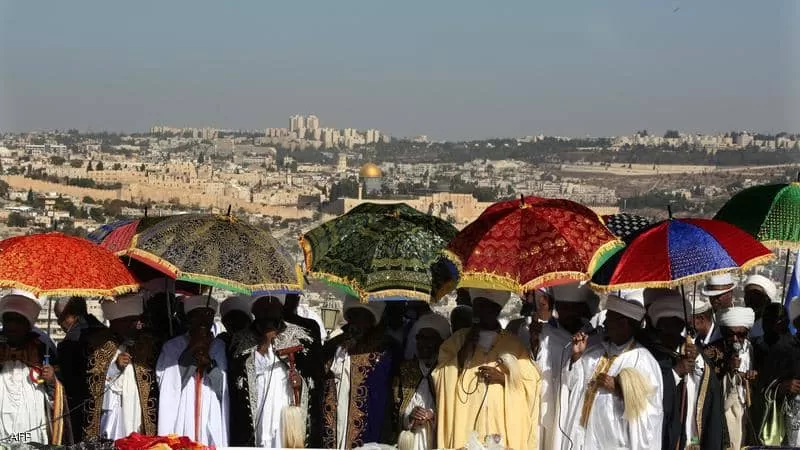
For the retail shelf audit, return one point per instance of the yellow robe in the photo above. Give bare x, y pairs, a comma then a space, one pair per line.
511, 410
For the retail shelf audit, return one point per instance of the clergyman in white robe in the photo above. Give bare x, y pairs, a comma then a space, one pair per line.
273, 393
180, 390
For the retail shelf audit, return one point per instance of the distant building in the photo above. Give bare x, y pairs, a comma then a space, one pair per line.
296, 122
341, 163
371, 176
312, 122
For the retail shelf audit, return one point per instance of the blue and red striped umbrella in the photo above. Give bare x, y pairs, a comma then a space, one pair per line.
676, 251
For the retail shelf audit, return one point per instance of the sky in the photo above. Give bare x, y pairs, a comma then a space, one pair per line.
449, 69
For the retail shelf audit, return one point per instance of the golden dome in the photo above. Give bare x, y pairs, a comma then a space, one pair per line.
370, 170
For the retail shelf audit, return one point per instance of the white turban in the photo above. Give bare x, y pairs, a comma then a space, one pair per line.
765, 284
794, 309
494, 296
736, 316
199, 301
125, 306
630, 307
575, 293
23, 303
434, 321
374, 308
667, 306
243, 303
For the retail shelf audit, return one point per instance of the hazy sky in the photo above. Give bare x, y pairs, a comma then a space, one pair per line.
448, 69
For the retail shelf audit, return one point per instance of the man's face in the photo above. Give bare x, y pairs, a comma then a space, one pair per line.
268, 313
64, 318
722, 301
755, 298
236, 321
200, 319
486, 312
126, 326
572, 316
735, 334
359, 322
16, 328
701, 322
428, 342
669, 331
618, 328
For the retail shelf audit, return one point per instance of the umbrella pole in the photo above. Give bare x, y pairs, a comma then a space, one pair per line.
785, 273
49, 330
169, 305
208, 299
689, 328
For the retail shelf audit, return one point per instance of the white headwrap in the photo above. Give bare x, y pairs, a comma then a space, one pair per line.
576, 292
375, 308
736, 316
125, 306
794, 309
668, 304
243, 303
764, 283
630, 307
23, 303
199, 301
434, 321
496, 297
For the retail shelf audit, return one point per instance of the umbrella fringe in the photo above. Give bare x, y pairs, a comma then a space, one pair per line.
411, 295
341, 283
71, 292
488, 280
776, 244
603, 253
683, 280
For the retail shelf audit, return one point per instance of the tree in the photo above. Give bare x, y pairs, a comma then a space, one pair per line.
87, 199
30, 199
57, 160
116, 166
672, 134
202, 158
75, 163
99, 165
17, 220
4, 188
142, 168
89, 166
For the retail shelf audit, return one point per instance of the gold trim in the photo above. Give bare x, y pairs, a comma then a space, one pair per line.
701, 399
69, 292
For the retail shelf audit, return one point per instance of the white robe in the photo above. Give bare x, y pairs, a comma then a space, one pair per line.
273, 394
177, 403
23, 404
425, 436
606, 428
341, 370
122, 408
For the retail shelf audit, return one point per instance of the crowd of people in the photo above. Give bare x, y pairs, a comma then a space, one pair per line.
650, 370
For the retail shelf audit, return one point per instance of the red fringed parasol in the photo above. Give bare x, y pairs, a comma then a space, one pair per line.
54, 265
520, 245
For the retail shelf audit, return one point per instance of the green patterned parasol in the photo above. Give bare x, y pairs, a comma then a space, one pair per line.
769, 212
379, 252
219, 251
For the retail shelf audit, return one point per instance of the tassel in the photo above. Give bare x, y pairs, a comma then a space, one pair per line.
293, 420
406, 440
635, 392
512, 365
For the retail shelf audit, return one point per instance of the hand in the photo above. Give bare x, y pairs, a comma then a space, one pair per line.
690, 350
790, 387
421, 415
579, 343
684, 366
492, 375
48, 374
123, 360
606, 382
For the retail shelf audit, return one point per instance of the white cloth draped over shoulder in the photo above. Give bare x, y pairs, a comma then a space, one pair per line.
178, 397
424, 436
122, 408
606, 428
23, 404
274, 393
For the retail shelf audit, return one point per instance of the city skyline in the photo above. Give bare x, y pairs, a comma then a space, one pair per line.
475, 72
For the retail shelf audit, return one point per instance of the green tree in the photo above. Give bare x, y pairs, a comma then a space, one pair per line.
16, 219
87, 199
116, 166
30, 199
57, 160
672, 134
4, 189
99, 165
89, 166
75, 163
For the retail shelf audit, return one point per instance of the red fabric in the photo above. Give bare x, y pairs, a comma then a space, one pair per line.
646, 258
57, 264
138, 441
523, 243
120, 239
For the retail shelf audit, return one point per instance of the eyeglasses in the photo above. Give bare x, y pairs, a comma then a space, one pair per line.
738, 334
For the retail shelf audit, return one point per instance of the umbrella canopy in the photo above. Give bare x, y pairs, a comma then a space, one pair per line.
676, 251
625, 225
519, 245
57, 265
118, 236
379, 252
769, 212
217, 250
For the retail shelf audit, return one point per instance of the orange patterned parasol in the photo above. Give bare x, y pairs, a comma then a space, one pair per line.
57, 265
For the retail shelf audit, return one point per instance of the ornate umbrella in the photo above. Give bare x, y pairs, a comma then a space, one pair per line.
57, 265
379, 252
625, 225
217, 250
770, 212
675, 251
118, 236
519, 245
